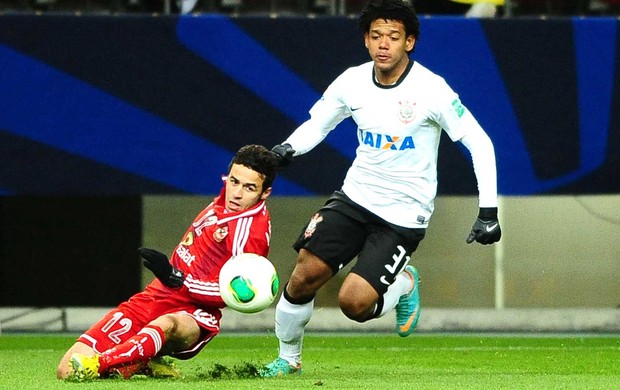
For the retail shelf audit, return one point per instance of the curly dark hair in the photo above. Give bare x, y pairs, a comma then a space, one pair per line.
260, 159
390, 10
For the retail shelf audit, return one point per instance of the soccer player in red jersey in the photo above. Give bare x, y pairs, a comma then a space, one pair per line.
179, 311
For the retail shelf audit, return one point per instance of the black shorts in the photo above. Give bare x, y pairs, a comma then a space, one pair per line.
342, 230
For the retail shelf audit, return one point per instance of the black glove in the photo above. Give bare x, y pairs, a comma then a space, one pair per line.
158, 263
486, 229
285, 154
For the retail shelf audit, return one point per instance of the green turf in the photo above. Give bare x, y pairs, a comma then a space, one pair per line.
373, 361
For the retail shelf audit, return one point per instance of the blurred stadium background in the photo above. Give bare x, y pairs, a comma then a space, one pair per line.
117, 118
310, 7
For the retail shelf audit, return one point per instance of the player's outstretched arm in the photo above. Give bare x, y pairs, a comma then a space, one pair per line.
285, 153
158, 263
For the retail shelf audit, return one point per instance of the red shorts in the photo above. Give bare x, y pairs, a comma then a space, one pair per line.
118, 325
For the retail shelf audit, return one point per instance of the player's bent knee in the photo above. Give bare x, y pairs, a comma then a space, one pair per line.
181, 331
298, 289
302, 285
355, 310
357, 299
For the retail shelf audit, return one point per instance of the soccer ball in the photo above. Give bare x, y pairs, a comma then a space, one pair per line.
248, 283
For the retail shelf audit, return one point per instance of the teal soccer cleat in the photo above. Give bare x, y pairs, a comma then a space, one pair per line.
279, 367
408, 306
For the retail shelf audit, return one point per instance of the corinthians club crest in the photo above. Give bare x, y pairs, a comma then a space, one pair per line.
405, 111
316, 218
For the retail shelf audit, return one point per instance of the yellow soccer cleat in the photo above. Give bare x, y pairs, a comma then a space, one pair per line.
84, 366
160, 367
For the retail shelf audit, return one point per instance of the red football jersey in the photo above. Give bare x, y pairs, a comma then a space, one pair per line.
213, 238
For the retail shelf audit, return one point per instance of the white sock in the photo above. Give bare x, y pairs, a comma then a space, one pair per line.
401, 286
291, 321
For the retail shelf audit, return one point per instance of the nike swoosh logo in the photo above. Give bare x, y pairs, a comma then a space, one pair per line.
355, 109
490, 228
405, 328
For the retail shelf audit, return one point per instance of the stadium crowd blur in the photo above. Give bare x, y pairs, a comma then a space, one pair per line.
473, 8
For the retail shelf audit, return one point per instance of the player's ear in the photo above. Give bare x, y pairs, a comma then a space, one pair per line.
265, 194
410, 43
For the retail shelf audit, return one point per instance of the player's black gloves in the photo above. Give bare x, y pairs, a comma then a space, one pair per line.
486, 229
285, 154
158, 263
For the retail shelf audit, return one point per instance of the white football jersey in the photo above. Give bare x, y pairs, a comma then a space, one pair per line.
394, 173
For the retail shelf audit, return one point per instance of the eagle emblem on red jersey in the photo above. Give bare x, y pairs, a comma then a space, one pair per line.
220, 233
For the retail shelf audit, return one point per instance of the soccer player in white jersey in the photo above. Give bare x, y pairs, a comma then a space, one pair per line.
383, 209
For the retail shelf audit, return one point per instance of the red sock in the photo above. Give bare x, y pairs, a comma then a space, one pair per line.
140, 347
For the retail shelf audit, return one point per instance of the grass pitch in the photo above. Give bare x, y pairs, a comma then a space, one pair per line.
351, 361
